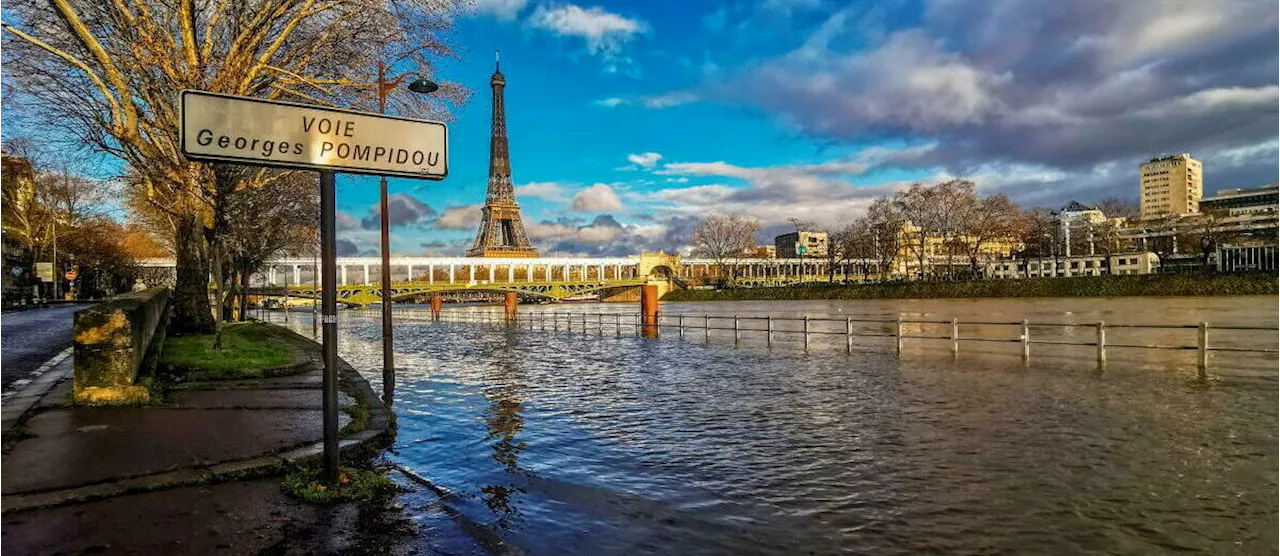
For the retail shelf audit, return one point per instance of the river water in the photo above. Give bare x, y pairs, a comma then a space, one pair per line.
556, 442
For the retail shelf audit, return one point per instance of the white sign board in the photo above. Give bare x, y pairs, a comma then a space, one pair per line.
44, 271
241, 130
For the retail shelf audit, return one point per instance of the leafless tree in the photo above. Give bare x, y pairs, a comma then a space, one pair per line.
992, 218
1115, 207
109, 74
724, 238
885, 226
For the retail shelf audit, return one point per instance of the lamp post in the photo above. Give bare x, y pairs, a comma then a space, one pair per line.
421, 86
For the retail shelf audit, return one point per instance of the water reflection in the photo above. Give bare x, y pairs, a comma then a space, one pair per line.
505, 422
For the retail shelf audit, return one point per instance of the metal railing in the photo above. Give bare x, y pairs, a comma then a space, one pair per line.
808, 327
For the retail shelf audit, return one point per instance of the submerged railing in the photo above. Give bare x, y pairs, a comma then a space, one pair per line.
808, 327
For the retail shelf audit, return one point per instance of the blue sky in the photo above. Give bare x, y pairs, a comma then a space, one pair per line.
629, 120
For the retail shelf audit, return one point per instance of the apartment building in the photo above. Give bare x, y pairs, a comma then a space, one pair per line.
1170, 186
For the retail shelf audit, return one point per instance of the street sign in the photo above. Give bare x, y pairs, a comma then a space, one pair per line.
242, 130
16, 271
71, 274
44, 271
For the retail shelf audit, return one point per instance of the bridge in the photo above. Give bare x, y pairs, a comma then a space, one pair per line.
547, 278
368, 294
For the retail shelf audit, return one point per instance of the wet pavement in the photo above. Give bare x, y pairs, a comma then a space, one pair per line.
29, 338
247, 517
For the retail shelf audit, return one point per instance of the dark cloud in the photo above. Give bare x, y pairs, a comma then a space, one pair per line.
346, 248
402, 210
1024, 88
434, 244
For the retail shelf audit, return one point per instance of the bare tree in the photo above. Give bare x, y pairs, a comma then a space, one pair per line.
993, 218
916, 205
109, 74
885, 226
1116, 207
724, 238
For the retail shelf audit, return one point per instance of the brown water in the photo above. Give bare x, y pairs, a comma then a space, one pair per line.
571, 443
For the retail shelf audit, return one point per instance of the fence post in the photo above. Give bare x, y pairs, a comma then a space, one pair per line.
1202, 368
735, 330
769, 334
1026, 341
1102, 344
848, 334
806, 332
898, 334
680, 325
555, 321
617, 326
600, 324
955, 336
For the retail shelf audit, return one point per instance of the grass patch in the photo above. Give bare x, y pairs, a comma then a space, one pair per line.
354, 485
248, 350
359, 418
1082, 286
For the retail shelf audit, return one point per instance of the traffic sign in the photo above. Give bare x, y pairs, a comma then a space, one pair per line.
71, 274
242, 130
44, 271
16, 271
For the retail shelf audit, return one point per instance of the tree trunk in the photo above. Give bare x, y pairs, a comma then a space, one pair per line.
217, 297
191, 314
244, 293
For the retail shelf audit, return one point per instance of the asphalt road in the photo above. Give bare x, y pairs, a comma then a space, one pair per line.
29, 338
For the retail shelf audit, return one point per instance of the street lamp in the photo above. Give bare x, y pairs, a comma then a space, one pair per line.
424, 86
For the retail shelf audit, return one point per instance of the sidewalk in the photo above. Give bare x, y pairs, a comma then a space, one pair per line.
186, 476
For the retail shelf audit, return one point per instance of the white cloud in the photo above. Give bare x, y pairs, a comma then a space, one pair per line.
459, 218
547, 190
646, 160
505, 10
549, 230
611, 102
667, 100
597, 234
604, 32
597, 198
345, 221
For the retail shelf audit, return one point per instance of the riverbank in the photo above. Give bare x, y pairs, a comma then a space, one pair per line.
1082, 286
198, 470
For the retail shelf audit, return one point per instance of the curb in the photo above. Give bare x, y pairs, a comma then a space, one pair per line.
375, 433
17, 404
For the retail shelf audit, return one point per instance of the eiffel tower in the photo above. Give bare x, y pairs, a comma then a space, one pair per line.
501, 232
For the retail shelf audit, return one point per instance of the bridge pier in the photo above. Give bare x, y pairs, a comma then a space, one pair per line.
649, 310
509, 304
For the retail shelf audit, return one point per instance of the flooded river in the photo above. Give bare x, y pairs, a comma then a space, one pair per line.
556, 442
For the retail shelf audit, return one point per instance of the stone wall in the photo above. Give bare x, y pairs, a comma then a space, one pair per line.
116, 345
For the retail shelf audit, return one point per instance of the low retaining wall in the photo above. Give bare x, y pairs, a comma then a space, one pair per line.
116, 346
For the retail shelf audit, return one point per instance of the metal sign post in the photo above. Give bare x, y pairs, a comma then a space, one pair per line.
241, 130
329, 314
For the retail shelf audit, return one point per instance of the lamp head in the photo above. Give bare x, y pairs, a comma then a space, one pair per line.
424, 86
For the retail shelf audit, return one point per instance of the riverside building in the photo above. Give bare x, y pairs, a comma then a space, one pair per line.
1082, 265
1170, 186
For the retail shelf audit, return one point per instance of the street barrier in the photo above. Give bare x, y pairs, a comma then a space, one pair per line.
117, 344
